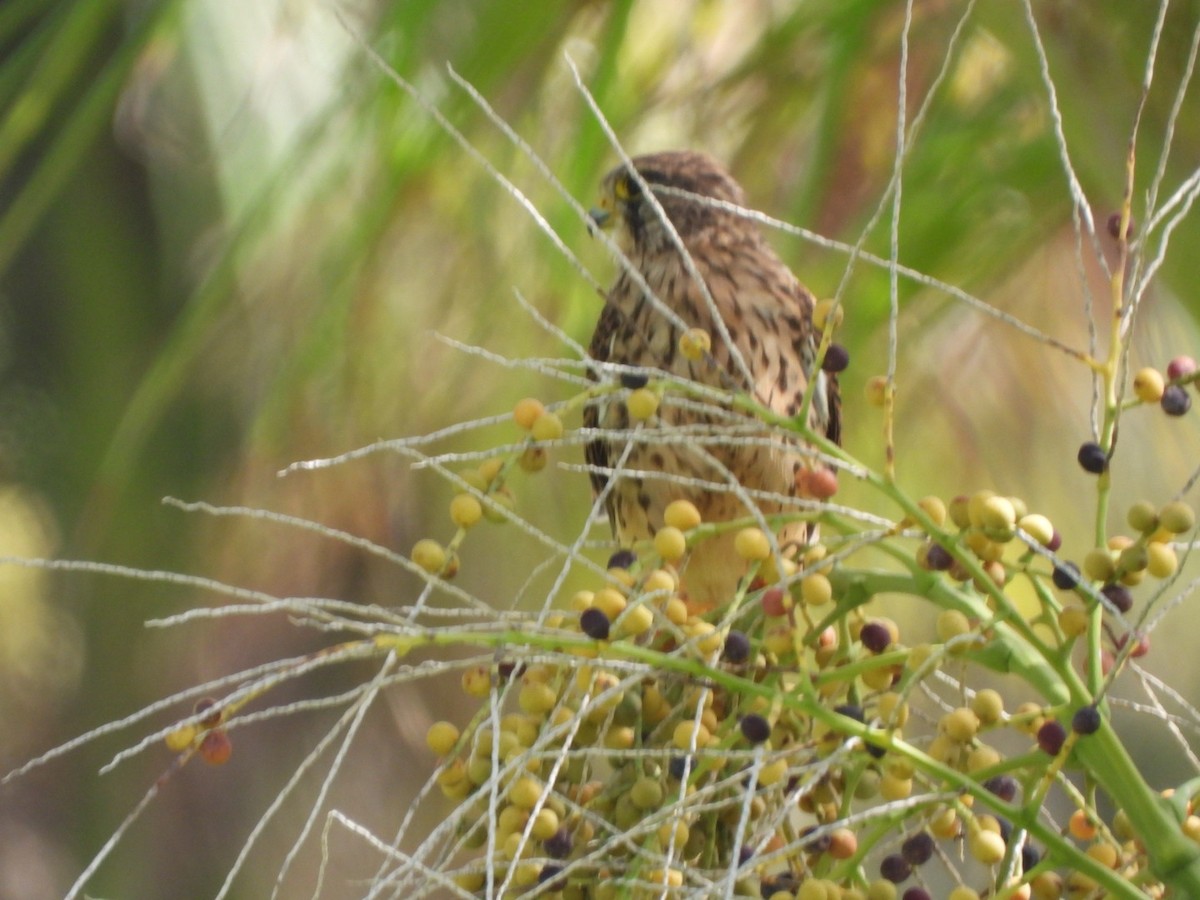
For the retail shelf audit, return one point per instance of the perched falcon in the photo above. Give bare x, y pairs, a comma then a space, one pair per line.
768, 316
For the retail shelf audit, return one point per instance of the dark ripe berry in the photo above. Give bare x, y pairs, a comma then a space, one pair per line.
737, 648
509, 669
755, 728
677, 765
634, 380
745, 855
1114, 226
916, 893
1118, 595
622, 559
1180, 366
1055, 542
1092, 458
784, 881
1003, 786
851, 711
938, 558
1005, 828
548, 873
1066, 576
1175, 400
815, 842
875, 636
876, 752
895, 868
213, 718
594, 624
1050, 737
559, 844
917, 849
1086, 720
837, 358
1030, 856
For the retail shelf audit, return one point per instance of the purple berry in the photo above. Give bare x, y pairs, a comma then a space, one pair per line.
1092, 458
1087, 720
1175, 400
1050, 737
755, 728
594, 624
837, 358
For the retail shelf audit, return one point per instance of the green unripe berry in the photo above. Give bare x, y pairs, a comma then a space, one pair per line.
647, 793
1177, 517
988, 705
546, 427
642, 404
465, 510
1142, 516
429, 555
1037, 527
1099, 566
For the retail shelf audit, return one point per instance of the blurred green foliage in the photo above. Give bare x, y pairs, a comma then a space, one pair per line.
226, 239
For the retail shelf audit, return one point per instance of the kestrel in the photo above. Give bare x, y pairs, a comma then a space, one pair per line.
768, 317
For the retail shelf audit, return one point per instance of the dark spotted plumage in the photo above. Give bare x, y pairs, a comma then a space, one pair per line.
768, 316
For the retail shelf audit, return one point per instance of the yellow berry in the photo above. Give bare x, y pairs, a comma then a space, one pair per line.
500, 509
684, 732
642, 404
988, 705
489, 469
892, 787
1073, 620
695, 343
676, 611
1148, 384
1142, 516
477, 681
610, 601
982, 757
773, 772
677, 830
935, 508
1161, 561
537, 698
660, 581
441, 737
998, 517
824, 310
667, 877
1037, 527
1099, 565
524, 792
429, 555
527, 411
962, 892
637, 620
960, 725
546, 427
752, 544
681, 514
180, 738
815, 589
1177, 517
952, 623
465, 510
987, 847
670, 543
876, 390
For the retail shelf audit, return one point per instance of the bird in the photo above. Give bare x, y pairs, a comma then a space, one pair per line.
767, 315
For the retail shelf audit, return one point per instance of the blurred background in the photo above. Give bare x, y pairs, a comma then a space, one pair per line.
228, 242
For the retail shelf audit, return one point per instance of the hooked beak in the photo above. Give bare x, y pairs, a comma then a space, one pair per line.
599, 220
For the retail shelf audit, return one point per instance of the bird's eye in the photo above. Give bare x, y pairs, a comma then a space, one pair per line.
625, 188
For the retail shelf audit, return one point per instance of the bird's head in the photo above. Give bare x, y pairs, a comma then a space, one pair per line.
628, 214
